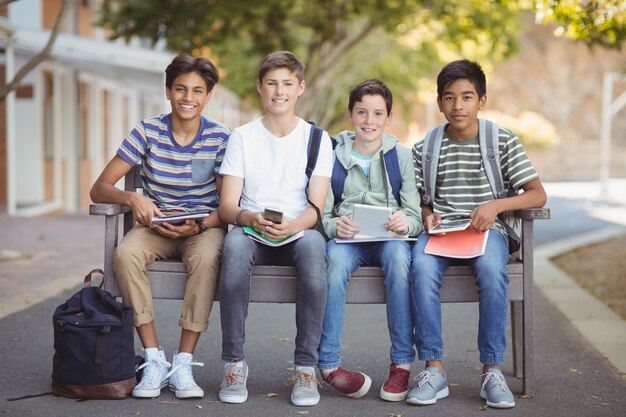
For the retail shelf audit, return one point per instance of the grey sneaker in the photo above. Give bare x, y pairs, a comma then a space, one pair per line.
154, 376
431, 386
181, 381
233, 389
304, 391
495, 391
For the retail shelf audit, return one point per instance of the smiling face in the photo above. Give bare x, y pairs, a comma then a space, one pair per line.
369, 119
188, 96
279, 90
460, 104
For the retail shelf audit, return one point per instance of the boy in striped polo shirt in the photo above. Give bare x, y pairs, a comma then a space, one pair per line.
181, 153
463, 190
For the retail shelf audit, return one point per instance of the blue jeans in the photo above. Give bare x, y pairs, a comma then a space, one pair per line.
239, 255
395, 258
492, 281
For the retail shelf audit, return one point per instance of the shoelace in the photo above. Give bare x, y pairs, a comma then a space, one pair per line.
185, 378
304, 379
424, 377
234, 375
499, 380
152, 374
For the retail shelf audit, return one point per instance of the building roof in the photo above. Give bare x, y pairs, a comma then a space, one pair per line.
86, 52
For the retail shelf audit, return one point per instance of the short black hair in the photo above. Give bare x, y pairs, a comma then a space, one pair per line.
371, 87
184, 64
462, 69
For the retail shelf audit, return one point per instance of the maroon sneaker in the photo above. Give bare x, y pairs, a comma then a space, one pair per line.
396, 386
349, 383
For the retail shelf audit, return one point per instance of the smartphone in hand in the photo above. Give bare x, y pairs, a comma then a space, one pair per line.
273, 214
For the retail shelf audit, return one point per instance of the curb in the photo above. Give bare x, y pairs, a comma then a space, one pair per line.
595, 321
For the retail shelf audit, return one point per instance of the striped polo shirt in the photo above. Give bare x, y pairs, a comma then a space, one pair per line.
177, 177
461, 181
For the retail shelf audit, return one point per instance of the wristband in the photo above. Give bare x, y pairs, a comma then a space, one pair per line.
201, 226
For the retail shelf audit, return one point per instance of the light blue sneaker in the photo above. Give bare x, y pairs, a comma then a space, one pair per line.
495, 390
431, 386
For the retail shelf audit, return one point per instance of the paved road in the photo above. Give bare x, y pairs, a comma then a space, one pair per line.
572, 378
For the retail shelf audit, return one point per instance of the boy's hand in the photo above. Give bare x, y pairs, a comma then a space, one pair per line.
398, 223
346, 228
484, 216
432, 220
276, 231
189, 228
144, 209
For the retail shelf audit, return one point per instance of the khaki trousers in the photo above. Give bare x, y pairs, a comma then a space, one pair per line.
201, 256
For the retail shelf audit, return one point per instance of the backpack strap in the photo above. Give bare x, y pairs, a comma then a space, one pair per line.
315, 138
488, 138
430, 161
337, 181
392, 166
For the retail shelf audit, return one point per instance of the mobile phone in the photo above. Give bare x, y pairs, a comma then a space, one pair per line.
273, 214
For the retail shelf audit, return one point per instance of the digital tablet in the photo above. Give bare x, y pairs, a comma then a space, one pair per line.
450, 226
176, 219
371, 219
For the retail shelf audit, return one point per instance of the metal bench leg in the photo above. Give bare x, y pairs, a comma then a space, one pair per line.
517, 338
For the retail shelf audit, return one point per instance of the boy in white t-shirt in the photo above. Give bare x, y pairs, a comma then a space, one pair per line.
264, 166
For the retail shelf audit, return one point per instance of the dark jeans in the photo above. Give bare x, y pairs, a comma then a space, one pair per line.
240, 254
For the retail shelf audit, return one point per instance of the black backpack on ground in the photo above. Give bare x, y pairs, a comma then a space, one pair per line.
94, 354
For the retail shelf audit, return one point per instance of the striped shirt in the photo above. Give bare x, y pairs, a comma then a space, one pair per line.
177, 177
461, 181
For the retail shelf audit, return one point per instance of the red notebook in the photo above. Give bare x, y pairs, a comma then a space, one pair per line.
466, 243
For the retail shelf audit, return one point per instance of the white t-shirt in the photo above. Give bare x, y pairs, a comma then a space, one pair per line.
273, 168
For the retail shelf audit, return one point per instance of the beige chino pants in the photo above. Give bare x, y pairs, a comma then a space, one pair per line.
201, 256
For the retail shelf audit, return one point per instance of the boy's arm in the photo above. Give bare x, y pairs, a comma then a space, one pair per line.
328, 220
230, 193
105, 191
318, 190
214, 220
485, 215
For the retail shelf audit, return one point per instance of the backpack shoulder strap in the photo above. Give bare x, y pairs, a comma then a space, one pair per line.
337, 181
315, 138
392, 166
489, 140
430, 160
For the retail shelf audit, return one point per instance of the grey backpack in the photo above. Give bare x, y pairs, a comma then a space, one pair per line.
488, 140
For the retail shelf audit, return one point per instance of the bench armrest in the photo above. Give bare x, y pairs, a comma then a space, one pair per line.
105, 209
541, 213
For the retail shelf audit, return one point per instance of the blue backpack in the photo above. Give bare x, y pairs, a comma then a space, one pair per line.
338, 179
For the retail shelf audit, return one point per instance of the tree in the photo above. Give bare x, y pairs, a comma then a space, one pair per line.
341, 41
596, 23
37, 59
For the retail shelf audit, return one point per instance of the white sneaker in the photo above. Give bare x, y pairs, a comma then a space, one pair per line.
304, 391
233, 389
154, 375
181, 381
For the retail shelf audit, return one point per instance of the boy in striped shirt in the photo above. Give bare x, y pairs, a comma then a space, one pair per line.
181, 153
462, 190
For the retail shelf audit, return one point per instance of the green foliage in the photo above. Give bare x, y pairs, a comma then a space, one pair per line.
341, 42
600, 22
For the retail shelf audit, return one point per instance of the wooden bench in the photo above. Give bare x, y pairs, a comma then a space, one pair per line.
277, 284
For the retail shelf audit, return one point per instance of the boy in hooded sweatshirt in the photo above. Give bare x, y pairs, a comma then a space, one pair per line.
361, 154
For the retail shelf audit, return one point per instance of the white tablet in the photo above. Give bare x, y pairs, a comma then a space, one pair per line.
450, 226
371, 219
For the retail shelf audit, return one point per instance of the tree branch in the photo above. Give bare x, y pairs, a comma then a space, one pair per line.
5, 2
36, 60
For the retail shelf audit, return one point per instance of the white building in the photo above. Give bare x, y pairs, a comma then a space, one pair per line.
67, 118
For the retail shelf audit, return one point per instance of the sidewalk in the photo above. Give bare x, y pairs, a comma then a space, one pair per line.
572, 376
